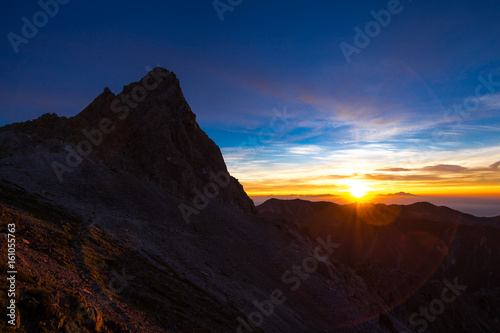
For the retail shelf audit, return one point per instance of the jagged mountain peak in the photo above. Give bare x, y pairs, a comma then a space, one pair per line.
147, 130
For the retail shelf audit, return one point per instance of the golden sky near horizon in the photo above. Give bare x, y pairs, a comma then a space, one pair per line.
375, 169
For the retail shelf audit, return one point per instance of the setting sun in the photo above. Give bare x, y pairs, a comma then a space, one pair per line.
358, 189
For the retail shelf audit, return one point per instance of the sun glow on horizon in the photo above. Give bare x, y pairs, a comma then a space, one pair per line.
358, 189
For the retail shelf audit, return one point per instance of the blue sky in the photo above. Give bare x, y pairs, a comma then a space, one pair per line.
391, 107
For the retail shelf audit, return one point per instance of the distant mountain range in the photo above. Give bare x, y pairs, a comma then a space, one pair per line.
398, 194
127, 220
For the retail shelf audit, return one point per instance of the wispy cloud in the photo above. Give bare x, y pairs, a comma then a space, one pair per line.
445, 168
386, 167
491, 102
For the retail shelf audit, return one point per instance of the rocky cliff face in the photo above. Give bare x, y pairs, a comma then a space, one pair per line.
148, 130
